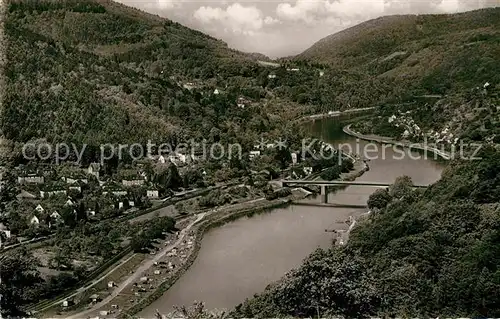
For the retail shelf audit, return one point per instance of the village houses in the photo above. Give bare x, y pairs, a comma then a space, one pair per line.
55, 215
24, 195
115, 189
242, 102
152, 193
5, 231
34, 220
177, 158
133, 182
32, 178
253, 154
39, 208
52, 192
94, 169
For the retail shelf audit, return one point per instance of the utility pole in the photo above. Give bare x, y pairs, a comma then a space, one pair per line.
317, 309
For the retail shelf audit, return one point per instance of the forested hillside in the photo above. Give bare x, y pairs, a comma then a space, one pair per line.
393, 59
441, 73
432, 53
94, 71
420, 254
81, 71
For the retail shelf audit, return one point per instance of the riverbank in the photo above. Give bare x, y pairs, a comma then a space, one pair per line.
344, 236
130, 295
360, 168
215, 219
384, 140
160, 283
143, 271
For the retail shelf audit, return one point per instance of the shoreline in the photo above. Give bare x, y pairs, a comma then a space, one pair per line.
219, 219
378, 139
319, 116
209, 222
138, 272
197, 229
213, 221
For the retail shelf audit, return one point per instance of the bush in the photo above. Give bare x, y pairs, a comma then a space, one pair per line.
151, 230
140, 242
379, 199
60, 283
331, 173
215, 198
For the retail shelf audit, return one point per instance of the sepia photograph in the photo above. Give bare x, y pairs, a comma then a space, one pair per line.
240, 159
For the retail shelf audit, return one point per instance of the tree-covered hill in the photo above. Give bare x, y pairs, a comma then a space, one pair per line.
95, 71
420, 254
108, 28
436, 52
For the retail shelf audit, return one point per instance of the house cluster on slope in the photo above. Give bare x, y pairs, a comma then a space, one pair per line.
50, 195
411, 129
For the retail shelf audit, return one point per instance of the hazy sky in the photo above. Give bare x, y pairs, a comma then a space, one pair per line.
286, 27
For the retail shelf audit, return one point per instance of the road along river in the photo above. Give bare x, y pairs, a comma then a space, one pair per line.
242, 257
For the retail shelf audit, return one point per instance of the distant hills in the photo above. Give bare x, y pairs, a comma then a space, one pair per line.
96, 71
83, 70
435, 52
443, 69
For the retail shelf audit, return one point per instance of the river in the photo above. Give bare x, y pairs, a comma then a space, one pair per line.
241, 258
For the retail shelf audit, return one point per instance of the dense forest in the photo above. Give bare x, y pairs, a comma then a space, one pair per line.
420, 254
95, 72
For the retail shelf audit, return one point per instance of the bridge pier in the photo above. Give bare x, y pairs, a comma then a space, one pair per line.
324, 194
334, 183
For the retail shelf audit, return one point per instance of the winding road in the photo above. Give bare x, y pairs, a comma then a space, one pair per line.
138, 273
421, 146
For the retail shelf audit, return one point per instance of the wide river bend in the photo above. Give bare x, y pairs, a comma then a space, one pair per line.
242, 257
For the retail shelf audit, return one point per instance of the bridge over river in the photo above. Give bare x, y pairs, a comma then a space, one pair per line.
326, 184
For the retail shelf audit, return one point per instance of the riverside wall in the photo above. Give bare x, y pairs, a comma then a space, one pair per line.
211, 221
